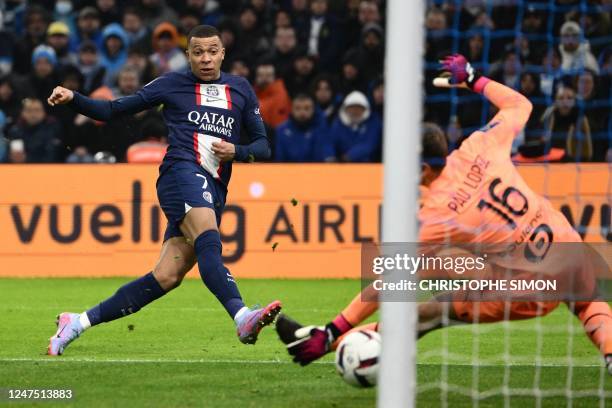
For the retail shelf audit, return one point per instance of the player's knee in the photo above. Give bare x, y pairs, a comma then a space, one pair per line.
168, 279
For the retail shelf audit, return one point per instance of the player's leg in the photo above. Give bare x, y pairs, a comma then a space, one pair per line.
596, 318
200, 227
176, 259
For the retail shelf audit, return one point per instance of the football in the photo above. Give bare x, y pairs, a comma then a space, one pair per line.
357, 358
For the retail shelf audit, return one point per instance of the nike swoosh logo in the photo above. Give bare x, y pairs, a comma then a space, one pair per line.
215, 99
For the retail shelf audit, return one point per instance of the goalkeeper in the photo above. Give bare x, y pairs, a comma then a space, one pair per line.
497, 209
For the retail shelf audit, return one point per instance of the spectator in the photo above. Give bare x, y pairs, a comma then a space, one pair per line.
368, 12
301, 74
325, 96
550, 71
285, 50
438, 43
351, 78
378, 97
567, 128
230, 38
209, 12
36, 21
113, 52
155, 12
137, 32
324, 37
64, 12
109, 13
80, 155
10, 103
167, 57
592, 100
508, 70
58, 37
530, 87
152, 145
282, 19
188, 18
253, 42
138, 59
17, 152
303, 137
474, 50
371, 52
575, 51
357, 132
88, 28
7, 51
39, 133
44, 76
89, 65
240, 67
273, 97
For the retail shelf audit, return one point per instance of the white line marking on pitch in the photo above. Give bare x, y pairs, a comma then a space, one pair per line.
227, 361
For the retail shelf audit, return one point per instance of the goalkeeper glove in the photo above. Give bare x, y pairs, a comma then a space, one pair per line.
460, 71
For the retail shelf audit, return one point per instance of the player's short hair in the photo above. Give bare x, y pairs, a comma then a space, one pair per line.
203, 31
434, 145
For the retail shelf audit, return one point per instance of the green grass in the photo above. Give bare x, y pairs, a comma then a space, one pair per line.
183, 351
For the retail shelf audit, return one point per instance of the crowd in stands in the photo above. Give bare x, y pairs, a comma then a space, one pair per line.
316, 67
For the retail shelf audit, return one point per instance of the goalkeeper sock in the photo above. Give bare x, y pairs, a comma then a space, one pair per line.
215, 276
596, 318
128, 299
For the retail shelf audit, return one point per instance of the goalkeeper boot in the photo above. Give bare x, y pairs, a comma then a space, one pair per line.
254, 320
68, 328
305, 343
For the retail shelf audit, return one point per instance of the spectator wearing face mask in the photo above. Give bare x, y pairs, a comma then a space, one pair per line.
567, 128
357, 132
303, 137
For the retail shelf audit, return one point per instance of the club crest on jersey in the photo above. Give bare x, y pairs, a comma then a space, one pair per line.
213, 95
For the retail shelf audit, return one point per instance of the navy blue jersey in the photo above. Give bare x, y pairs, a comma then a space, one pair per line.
197, 114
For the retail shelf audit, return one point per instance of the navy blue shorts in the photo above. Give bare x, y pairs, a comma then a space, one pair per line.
183, 185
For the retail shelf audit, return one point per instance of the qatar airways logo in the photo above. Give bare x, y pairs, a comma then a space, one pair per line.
212, 122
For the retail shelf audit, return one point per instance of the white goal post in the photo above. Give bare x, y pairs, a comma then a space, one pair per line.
401, 157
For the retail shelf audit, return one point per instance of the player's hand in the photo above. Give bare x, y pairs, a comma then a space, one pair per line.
457, 73
314, 343
60, 96
224, 151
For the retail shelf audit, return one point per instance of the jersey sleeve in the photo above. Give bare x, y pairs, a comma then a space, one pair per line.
497, 136
259, 146
154, 92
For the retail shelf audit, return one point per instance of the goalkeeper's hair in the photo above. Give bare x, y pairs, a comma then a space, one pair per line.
434, 145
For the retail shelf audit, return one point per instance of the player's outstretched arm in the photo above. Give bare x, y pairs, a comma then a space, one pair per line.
98, 109
514, 108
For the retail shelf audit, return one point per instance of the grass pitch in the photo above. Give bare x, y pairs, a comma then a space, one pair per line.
182, 351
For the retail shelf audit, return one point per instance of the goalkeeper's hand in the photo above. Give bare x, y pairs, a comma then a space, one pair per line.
457, 73
312, 343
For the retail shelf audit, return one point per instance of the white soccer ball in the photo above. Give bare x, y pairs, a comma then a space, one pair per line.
357, 358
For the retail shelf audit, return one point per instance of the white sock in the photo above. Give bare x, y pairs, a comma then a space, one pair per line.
240, 313
84, 320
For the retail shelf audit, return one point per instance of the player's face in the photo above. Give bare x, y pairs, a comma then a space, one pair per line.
205, 57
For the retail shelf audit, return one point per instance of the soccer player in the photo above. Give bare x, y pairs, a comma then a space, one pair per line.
205, 110
495, 206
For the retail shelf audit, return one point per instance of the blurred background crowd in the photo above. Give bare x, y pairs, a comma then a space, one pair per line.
317, 69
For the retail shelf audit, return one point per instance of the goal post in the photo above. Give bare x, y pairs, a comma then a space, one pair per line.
401, 157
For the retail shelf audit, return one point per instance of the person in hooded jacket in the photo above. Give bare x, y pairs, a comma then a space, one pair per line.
357, 133
168, 56
114, 52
